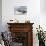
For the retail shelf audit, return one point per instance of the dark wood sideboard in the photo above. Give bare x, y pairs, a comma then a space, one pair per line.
22, 33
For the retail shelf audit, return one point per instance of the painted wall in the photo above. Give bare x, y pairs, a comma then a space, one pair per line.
0, 15
34, 14
43, 6
33, 8
43, 14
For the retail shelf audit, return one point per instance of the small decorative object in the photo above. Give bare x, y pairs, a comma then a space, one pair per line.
27, 21
14, 21
20, 10
41, 36
11, 20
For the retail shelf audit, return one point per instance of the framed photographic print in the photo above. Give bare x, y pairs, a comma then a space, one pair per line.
20, 10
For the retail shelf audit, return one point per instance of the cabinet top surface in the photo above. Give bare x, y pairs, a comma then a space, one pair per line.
19, 23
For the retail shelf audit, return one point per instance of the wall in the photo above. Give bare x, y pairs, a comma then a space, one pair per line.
33, 8
43, 6
34, 14
43, 14
0, 15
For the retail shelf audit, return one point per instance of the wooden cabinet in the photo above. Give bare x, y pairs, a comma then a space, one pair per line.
22, 33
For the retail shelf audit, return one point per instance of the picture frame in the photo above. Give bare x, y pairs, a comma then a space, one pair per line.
20, 10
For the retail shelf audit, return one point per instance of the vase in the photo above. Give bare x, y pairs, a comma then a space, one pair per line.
41, 43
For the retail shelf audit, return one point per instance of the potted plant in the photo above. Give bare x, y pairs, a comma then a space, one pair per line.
41, 36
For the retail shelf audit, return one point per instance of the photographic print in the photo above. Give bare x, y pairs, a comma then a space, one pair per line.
20, 10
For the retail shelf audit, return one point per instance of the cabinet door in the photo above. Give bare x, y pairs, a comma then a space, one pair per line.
20, 37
